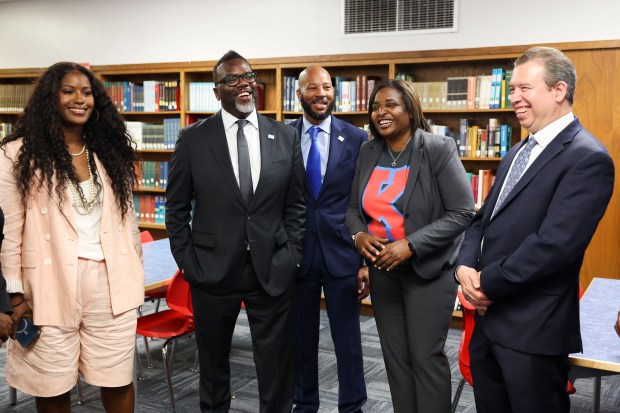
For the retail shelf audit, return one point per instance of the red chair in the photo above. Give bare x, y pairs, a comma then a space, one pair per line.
156, 294
464, 364
172, 324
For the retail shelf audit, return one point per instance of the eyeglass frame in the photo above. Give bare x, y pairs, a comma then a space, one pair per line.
237, 79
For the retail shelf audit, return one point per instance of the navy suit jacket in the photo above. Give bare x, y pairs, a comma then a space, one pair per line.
534, 245
212, 252
325, 215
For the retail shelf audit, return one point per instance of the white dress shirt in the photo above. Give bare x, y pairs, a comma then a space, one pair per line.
252, 136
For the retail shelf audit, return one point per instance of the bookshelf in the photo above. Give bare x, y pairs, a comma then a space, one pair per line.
596, 105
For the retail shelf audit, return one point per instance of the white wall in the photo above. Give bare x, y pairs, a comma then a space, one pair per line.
37, 33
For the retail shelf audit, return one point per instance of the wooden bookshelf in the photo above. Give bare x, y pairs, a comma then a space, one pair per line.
596, 104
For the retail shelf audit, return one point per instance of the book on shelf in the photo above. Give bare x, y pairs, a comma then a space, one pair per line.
150, 208
150, 96
259, 96
14, 96
481, 182
202, 98
154, 136
505, 99
5, 129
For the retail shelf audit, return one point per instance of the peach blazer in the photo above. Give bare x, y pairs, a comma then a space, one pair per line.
40, 248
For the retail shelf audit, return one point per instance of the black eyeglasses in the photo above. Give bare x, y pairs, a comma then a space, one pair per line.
233, 80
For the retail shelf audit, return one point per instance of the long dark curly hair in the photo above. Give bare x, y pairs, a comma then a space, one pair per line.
44, 149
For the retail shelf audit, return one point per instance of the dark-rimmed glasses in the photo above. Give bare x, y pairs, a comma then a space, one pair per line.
233, 80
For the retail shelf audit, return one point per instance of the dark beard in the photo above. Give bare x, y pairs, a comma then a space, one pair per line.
317, 116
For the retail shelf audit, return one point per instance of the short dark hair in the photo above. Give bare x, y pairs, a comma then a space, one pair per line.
412, 104
558, 68
229, 55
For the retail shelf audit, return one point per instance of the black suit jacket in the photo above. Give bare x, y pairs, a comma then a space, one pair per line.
212, 251
534, 245
325, 215
438, 202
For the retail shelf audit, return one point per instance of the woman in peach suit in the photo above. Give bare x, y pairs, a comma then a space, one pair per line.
71, 254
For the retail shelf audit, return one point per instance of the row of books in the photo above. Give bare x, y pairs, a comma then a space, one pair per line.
150, 96
351, 95
150, 208
202, 98
14, 96
480, 142
154, 136
481, 182
152, 174
465, 92
472, 141
5, 129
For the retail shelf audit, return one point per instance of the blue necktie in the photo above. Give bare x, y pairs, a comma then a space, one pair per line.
517, 170
313, 164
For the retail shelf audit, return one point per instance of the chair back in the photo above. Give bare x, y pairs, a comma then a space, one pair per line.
145, 237
179, 297
468, 328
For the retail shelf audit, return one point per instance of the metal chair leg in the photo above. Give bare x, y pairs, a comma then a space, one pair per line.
164, 352
195, 368
139, 362
149, 361
79, 392
457, 395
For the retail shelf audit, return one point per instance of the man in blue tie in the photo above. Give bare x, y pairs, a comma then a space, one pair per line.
330, 261
520, 260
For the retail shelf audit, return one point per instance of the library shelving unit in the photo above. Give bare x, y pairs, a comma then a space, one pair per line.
596, 104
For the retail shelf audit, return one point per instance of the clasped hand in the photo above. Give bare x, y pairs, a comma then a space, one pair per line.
380, 253
469, 279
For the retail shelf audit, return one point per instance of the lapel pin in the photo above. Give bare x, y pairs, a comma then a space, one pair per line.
340, 138
270, 136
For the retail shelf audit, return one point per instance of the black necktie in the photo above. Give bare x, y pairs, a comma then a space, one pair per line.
245, 170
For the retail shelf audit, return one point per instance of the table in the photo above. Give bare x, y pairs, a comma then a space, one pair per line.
598, 311
159, 265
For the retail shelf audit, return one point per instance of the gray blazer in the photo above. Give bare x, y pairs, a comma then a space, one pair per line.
438, 200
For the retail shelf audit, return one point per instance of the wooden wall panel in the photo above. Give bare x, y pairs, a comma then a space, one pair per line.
597, 105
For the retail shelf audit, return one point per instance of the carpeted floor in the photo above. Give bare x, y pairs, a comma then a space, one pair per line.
153, 395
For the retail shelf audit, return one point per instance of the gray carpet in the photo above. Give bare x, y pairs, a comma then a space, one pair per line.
153, 395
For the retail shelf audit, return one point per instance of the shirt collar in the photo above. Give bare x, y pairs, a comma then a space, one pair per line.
230, 120
549, 132
325, 126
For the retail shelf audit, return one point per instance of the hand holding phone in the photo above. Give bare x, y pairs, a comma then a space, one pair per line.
26, 332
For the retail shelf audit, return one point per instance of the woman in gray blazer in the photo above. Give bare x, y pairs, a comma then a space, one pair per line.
410, 203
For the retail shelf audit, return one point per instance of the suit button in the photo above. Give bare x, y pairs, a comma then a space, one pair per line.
47, 237
124, 251
48, 261
249, 216
44, 210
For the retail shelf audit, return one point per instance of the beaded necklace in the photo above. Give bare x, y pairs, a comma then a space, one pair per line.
84, 205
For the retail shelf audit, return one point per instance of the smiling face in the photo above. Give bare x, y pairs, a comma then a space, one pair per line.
535, 103
76, 100
237, 100
316, 94
390, 116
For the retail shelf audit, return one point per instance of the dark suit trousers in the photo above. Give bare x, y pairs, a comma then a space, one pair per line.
413, 318
343, 311
509, 381
271, 325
